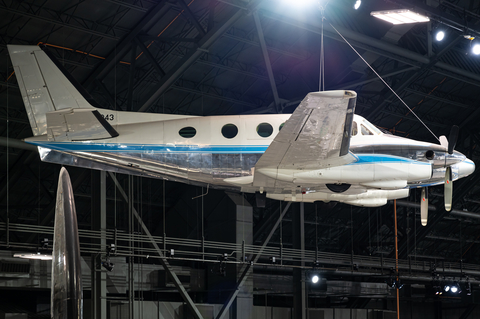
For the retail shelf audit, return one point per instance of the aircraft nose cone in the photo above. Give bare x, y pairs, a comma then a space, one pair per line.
466, 167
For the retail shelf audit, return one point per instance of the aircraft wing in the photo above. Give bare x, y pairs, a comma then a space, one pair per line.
78, 125
316, 136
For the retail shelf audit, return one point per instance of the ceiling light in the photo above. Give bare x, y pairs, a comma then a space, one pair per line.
400, 16
440, 35
299, 3
33, 256
357, 4
476, 49
456, 288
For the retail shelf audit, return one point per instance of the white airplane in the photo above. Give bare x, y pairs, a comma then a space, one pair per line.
321, 152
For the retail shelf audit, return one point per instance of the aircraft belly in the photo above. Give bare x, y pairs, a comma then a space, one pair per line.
193, 168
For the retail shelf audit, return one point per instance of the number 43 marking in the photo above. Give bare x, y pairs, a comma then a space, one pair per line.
108, 117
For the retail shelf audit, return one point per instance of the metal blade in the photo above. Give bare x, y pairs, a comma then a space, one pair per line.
452, 138
448, 189
424, 207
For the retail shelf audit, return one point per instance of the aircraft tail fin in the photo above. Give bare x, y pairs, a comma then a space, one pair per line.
45, 85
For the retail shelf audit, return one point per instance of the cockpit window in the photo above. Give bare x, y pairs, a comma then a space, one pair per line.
354, 128
365, 131
372, 128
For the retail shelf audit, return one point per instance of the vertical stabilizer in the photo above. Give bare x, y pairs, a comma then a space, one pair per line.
44, 85
66, 298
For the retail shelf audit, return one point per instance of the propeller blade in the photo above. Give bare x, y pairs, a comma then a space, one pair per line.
444, 141
452, 138
448, 189
424, 207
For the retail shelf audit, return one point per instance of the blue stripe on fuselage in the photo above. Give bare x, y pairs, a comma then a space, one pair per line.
383, 158
151, 148
213, 149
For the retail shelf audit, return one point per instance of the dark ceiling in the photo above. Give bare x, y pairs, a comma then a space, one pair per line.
205, 57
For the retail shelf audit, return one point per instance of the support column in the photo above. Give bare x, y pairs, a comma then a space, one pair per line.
99, 222
189, 302
242, 307
298, 232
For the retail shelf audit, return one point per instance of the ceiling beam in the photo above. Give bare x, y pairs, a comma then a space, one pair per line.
381, 48
203, 45
122, 48
61, 23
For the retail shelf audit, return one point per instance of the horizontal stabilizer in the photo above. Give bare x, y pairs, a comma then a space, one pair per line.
78, 125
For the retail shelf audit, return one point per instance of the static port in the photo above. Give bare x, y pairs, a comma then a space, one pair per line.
430, 155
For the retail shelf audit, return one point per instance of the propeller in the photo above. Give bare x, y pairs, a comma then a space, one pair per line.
424, 207
449, 144
448, 193
452, 138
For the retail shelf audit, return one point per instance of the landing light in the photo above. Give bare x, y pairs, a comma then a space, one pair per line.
315, 279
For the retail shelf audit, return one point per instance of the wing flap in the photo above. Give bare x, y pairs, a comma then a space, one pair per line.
78, 125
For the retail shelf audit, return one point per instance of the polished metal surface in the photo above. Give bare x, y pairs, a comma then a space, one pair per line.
66, 293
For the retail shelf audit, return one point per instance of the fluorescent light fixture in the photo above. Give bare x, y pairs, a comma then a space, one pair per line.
400, 16
33, 256
440, 35
476, 49
299, 3
357, 4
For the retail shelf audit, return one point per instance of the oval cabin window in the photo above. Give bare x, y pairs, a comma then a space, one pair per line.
229, 130
187, 132
264, 129
281, 126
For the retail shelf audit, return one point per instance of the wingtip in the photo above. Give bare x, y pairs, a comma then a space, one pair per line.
346, 94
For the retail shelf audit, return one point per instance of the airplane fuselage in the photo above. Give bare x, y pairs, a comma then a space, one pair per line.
222, 151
